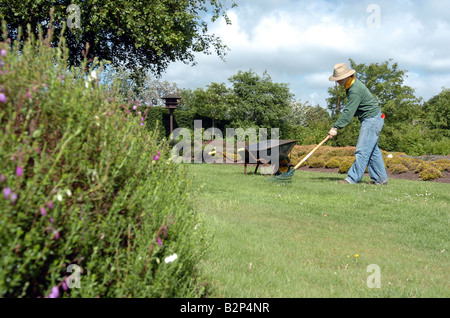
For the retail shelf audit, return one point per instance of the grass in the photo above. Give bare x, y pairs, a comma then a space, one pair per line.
316, 238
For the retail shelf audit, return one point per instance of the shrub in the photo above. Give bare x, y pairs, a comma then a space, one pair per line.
411, 163
85, 183
392, 161
316, 163
398, 168
344, 167
430, 173
423, 166
333, 163
442, 164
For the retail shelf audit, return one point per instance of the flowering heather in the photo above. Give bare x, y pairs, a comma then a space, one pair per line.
7, 192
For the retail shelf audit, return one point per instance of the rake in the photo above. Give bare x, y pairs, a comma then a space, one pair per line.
287, 176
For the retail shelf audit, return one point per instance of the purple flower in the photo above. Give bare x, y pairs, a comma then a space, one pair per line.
7, 192
64, 285
19, 171
43, 211
156, 158
54, 293
50, 205
2, 98
2, 178
159, 241
56, 235
159, 153
28, 94
13, 198
4, 52
134, 107
142, 124
51, 220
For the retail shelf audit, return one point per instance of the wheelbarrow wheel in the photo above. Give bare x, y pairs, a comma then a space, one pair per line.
284, 165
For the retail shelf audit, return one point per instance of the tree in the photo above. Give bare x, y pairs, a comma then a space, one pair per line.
142, 87
213, 102
306, 115
437, 111
134, 34
260, 101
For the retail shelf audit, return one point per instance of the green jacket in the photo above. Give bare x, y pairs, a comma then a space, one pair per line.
360, 103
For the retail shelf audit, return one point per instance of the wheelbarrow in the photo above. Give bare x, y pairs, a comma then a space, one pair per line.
260, 153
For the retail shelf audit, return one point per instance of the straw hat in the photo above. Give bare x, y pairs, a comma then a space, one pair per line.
341, 71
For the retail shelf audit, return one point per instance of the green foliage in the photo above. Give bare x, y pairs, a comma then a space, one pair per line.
85, 183
259, 100
138, 34
437, 111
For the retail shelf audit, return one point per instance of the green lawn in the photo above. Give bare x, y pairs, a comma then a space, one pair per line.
316, 238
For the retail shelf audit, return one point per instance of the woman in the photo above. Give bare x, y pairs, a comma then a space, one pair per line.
361, 103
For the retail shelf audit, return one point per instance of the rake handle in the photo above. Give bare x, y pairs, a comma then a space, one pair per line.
312, 151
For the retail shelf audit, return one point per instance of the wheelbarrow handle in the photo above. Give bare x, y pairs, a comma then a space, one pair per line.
312, 151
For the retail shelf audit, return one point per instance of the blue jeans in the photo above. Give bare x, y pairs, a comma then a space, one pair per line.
367, 153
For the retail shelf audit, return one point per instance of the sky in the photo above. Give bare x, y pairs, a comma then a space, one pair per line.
298, 42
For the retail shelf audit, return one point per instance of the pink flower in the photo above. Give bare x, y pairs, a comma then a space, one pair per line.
2, 178
134, 107
43, 211
51, 220
159, 241
7, 192
28, 94
19, 171
54, 293
2, 98
64, 285
50, 205
156, 158
56, 235
13, 198
4, 52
